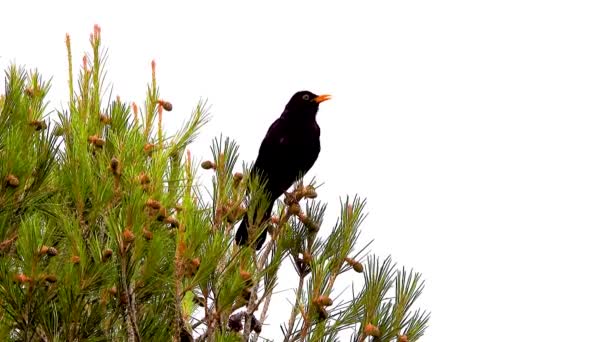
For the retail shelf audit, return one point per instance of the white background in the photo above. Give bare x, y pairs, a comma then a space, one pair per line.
477, 130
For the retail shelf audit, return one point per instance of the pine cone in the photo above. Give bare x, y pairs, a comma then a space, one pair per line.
166, 105
38, 125
22, 278
128, 235
149, 148
371, 330
154, 204
323, 301
294, 209
143, 179
310, 192
172, 221
115, 166
235, 321
357, 266
104, 119
43, 250
237, 178
107, 254
51, 278
12, 181
208, 164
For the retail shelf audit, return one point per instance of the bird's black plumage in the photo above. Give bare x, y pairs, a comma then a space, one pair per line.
289, 149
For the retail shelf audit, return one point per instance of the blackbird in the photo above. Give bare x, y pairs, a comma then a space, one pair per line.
289, 149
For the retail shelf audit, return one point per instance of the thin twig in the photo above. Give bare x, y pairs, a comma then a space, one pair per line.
294, 312
252, 300
263, 317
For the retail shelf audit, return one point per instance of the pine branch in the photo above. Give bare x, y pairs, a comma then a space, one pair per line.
103, 226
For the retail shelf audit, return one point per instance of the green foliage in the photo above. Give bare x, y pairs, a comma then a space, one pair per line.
105, 234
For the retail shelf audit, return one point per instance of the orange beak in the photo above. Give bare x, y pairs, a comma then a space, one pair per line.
322, 98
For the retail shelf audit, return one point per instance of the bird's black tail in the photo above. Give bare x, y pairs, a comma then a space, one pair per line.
242, 235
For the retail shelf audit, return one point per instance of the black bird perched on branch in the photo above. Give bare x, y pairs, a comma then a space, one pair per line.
289, 149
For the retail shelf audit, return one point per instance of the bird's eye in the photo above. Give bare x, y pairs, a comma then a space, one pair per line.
305, 97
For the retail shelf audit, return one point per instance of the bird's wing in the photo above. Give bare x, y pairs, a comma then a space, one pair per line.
272, 148
309, 157
283, 157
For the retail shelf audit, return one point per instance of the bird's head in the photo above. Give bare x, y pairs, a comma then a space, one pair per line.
304, 104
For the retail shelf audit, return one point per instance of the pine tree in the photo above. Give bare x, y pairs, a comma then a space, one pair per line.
106, 234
